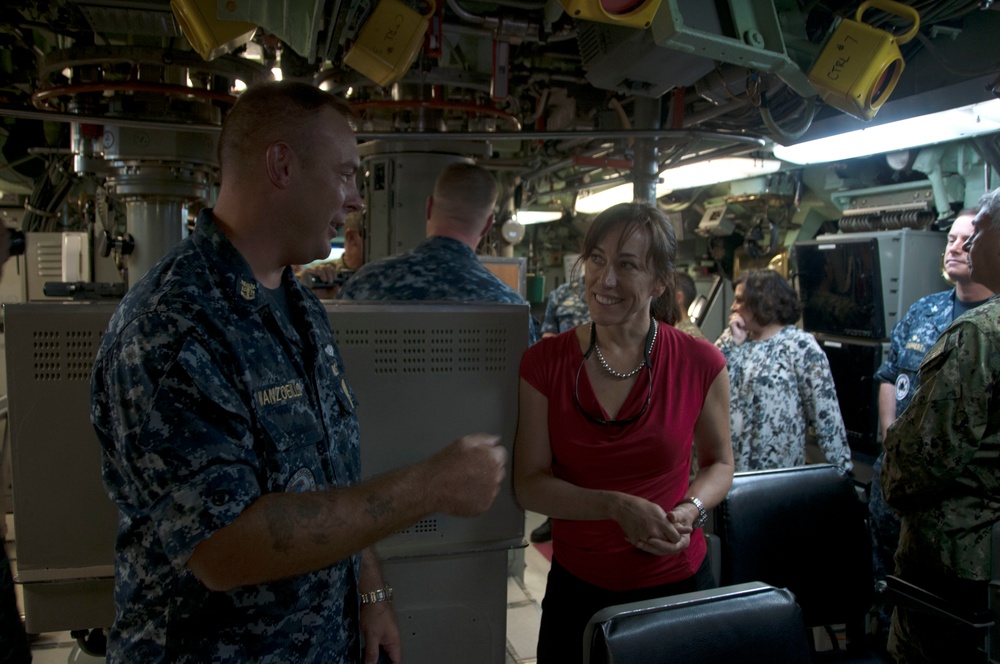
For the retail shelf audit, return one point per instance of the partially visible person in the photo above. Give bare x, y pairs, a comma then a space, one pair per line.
909, 341
781, 385
687, 292
565, 308
229, 436
339, 270
14, 647
608, 412
941, 468
444, 266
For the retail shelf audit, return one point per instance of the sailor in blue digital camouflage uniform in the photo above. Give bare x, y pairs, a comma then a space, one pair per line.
941, 471
229, 437
444, 266
910, 340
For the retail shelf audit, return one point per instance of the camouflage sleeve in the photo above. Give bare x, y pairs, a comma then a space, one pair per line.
941, 430
182, 442
822, 408
349, 289
549, 323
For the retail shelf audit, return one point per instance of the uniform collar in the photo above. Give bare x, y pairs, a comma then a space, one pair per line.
443, 243
230, 270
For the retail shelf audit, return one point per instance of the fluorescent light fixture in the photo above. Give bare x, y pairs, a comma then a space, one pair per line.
589, 201
702, 173
537, 216
950, 125
714, 171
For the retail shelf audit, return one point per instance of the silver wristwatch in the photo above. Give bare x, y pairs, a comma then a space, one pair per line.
380, 595
702, 513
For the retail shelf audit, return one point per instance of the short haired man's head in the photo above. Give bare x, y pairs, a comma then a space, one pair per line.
989, 207
984, 245
661, 247
289, 163
686, 289
354, 241
269, 112
956, 258
465, 192
769, 298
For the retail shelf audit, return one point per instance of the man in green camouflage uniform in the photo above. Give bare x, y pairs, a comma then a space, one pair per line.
941, 470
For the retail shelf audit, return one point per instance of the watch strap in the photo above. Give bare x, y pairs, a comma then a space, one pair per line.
379, 595
702, 512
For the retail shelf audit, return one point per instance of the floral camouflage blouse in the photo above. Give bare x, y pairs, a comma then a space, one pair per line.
779, 387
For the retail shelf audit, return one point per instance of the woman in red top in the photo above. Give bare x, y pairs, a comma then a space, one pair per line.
608, 412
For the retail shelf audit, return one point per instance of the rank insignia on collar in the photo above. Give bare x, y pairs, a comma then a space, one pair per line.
248, 290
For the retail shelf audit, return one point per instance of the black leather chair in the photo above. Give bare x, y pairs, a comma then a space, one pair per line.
804, 529
750, 623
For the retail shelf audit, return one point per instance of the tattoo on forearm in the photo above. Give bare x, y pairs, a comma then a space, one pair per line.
378, 507
286, 518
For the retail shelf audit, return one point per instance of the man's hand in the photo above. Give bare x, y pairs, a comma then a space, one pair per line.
321, 273
380, 628
466, 475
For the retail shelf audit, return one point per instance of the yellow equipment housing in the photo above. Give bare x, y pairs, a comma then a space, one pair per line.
639, 15
388, 42
860, 65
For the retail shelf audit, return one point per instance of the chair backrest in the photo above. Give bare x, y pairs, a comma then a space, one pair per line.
804, 529
751, 623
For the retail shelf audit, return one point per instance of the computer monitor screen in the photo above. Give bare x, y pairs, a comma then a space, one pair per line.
841, 287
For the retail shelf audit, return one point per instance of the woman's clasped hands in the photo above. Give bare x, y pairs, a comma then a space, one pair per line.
649, 528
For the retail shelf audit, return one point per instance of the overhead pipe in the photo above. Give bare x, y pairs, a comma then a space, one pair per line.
646, 172
746, 143
514, 30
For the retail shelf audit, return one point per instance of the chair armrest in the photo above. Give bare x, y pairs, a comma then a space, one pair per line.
904, 593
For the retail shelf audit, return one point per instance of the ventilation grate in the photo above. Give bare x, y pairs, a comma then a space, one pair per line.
65, 355
428, 526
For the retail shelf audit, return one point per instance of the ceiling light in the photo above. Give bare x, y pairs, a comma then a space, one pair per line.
953, 124
700, 174
538, 215
589, 201
714, 171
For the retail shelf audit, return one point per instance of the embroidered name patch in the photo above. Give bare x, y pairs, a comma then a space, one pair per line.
279, 393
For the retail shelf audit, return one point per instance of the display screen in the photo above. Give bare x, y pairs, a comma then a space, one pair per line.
841, 288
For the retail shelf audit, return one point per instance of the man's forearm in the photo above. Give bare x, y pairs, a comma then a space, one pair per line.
286, 534
886, 407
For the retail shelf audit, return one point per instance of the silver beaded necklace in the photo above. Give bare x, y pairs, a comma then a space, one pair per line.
650, 340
